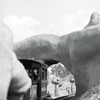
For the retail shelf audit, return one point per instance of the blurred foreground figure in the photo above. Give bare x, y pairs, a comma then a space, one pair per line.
14, 81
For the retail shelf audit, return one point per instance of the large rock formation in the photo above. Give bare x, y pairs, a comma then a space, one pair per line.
78, 51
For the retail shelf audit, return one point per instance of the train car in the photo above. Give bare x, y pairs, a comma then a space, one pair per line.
38, 73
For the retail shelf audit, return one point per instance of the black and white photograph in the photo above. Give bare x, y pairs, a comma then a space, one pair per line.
49, 50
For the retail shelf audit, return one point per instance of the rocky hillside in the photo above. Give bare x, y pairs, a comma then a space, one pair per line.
91, 94
79, 51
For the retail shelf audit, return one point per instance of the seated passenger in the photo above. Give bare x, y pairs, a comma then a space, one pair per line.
35, 75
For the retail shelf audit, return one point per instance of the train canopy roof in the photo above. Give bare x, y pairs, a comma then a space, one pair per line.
31, 64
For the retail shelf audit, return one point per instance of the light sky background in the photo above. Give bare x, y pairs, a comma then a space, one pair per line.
27, 18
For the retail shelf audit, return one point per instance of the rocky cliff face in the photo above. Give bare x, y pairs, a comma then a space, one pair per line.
78, 51
60, 81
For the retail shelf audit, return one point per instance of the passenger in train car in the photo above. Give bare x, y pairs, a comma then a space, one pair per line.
14, 80
35, 74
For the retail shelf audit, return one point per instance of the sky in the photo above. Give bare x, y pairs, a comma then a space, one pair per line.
27, 18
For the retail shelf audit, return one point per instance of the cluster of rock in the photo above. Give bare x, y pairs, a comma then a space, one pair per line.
91, 94
60, 81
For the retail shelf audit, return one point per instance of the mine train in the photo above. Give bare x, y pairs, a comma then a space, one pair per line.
37, 71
